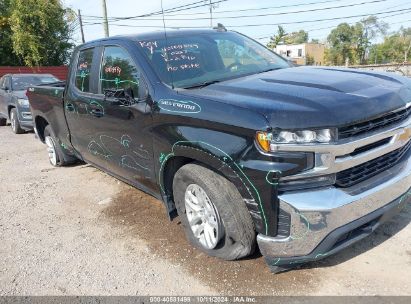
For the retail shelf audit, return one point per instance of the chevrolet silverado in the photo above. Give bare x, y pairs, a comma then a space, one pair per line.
245, 148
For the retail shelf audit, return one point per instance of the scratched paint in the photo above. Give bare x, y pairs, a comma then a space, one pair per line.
120, 151
71, 108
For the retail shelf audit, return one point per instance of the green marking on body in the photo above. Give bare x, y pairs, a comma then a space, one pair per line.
270, 182
236, 165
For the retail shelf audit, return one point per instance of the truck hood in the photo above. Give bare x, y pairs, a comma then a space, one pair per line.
312, 97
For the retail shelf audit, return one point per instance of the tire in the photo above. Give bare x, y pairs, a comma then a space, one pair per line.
15, 123
57, 156
3, 122
233, 234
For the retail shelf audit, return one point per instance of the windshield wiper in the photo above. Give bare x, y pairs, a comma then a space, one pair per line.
202, 84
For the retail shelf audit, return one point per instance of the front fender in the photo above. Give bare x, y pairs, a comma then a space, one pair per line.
226, 154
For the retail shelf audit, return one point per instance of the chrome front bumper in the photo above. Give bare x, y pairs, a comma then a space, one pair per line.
316, 214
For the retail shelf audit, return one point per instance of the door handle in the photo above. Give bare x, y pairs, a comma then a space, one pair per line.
70, 107
97, 112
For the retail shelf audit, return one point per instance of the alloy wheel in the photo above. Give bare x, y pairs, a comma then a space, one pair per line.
51, 150
13, 121
203, 217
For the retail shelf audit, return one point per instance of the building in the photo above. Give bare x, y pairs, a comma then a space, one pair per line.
304, 54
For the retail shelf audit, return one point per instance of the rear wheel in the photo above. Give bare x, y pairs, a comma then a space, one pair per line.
15, 124
213, 213
3, 122
56, 154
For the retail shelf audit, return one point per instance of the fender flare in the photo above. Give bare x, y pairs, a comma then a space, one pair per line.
223, 163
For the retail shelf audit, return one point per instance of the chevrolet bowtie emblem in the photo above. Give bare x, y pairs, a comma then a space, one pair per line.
406, 136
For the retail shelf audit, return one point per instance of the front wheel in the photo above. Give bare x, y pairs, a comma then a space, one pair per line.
3, 122
15, 124
213, 213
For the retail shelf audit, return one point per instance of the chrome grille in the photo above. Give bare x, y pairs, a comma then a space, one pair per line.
371, 168
374, 124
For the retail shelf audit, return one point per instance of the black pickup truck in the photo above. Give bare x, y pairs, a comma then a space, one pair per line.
245, 148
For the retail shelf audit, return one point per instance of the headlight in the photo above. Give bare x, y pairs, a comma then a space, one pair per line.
23, 102
268, 141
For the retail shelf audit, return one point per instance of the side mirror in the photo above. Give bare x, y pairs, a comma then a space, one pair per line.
5, 88
119, 97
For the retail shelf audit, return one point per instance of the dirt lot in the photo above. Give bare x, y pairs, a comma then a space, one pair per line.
78, 231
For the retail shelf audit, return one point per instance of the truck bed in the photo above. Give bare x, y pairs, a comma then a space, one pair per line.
54, 90
48, 100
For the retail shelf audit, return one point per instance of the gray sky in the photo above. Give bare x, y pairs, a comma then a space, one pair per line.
92, 10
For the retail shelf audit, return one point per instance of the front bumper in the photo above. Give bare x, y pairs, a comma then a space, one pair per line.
26, 119
324, 221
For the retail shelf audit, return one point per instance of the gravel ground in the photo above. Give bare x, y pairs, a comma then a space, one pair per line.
78, 231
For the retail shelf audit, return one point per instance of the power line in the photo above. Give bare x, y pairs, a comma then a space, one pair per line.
406, 10
259, 9
173, 9
226, 11
270, 14
265, 15
152, 13
184, 7
401, 22
402, 11
330, 27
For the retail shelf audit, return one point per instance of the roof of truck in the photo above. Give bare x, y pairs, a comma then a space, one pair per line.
159, 35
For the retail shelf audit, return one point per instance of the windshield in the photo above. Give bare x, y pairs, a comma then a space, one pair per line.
21, 83
191, 61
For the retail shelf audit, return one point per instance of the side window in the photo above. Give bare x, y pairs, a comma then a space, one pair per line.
2, 82
83, 70
119, 76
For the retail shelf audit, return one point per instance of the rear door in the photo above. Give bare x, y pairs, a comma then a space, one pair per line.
78, 101
110, 126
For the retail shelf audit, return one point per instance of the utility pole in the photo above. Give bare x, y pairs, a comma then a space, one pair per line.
211, 14
81, 26
105, 22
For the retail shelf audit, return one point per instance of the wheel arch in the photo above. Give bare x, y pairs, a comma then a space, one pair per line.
183, 155
9, 108
40, 124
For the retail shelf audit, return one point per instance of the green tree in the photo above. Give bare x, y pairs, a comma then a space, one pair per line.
41, 31
309, 60
353, 42
7, 56
395, 48
340, 42
277, 38
296, 37
364, 32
